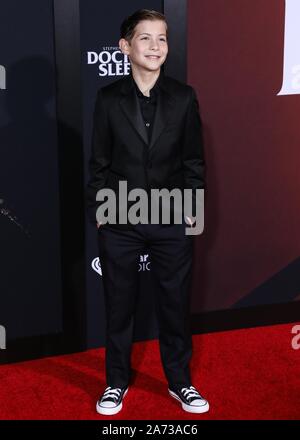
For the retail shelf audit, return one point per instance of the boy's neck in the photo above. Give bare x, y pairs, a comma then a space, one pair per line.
145, 80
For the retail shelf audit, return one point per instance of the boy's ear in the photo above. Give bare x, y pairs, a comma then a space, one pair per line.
123, 45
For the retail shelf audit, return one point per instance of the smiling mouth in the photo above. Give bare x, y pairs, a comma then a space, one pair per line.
153, 57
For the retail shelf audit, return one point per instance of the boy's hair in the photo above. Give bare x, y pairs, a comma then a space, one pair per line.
129, 24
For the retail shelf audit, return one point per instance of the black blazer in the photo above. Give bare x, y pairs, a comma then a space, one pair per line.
174, 158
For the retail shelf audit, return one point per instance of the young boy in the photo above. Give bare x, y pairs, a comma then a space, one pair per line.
147, 132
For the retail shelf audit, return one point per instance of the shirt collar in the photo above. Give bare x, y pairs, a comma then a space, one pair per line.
153, 90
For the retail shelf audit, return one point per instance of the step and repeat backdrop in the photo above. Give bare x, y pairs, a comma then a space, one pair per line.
30, 270
243, 60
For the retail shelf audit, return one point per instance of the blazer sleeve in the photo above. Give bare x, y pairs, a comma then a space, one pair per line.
193, 150
100, 159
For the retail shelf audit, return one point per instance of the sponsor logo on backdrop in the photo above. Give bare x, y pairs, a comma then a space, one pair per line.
291, 59
2, 77
96, 266
144, 263
296, 338
110, 61
2, 338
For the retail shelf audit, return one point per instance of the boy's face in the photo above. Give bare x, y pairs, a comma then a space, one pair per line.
149, 48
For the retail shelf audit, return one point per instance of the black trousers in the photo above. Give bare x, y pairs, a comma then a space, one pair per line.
171, 252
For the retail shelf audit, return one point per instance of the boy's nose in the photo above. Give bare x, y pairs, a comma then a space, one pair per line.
154, 45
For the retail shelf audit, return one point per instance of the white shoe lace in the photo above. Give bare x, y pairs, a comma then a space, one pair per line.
111, 392
191, 392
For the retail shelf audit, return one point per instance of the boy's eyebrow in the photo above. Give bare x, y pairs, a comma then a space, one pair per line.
146, 33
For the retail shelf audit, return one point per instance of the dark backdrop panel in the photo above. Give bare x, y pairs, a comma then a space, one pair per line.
99, 26
30, 280
249, 252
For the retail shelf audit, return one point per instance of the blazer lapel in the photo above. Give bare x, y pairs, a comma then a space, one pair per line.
165, 105
131, 107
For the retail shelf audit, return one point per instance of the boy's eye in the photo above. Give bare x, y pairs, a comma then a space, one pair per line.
146, 38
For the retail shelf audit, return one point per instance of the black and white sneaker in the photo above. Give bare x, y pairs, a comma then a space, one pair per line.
111, 401
191, 400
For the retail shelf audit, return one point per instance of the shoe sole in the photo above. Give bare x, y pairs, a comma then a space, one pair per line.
192, 409
110, 411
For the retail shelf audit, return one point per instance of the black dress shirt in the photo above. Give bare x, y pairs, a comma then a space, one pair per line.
148, 104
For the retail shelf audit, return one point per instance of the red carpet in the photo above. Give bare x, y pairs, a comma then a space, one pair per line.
245, 374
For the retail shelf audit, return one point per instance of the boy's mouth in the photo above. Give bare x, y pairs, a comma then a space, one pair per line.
153, 57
